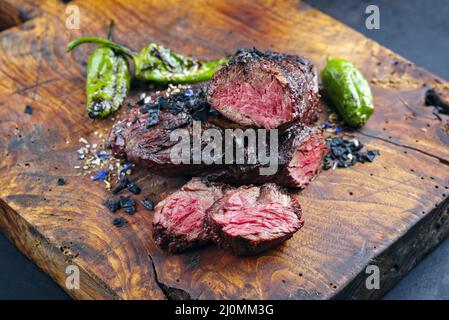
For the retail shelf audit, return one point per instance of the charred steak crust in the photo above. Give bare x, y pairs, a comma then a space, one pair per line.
250, 219
266, 89
300, 159
301, 150
150, 146
178, 221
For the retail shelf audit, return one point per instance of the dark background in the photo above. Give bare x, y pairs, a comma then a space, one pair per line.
416, 29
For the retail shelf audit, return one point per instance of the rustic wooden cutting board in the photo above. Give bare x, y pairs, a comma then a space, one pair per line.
389, 213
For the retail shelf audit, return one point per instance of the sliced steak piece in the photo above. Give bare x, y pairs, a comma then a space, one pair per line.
301, 149
300, 159
249, 220
143, 136
178, 222
268, 90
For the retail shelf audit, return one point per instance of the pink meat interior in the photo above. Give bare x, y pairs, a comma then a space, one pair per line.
307, 161
243, 217
259, 98
184, 214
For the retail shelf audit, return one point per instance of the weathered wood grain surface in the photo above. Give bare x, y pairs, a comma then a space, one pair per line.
389, 213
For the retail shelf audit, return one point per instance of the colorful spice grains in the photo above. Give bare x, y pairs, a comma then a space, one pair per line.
99, 162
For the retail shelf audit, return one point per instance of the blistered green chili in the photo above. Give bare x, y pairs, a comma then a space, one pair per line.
156, 63
107, 82
349, 91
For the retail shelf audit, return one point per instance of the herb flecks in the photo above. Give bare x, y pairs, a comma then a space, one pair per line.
98, 162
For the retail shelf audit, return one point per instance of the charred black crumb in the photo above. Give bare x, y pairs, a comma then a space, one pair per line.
130, 210
28, 110
128, 204
133, 188
126, 201
148, 204
214, 112
112, 204
60, 181
119, 222
243, 56
125, 183
153, 117
346, 153
189, 100
201, 113
433, 99
367, 156
122, 185
147, 107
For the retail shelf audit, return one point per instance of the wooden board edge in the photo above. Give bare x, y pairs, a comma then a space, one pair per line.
400, 258
48, 258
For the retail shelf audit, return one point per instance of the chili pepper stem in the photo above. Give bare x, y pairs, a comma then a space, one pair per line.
111, 29
118, 47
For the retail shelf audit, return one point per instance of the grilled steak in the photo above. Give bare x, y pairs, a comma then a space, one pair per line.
268, 90
300, 159
143, 136
178, 222
301, 149
249, 220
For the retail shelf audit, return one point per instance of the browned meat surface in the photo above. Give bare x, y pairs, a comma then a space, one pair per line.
178, 222
250, 219
269, 90
300, 159
300, 153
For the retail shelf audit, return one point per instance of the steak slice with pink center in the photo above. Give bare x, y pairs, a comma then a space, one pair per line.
178, 222
299, 160
268, 90
250, 219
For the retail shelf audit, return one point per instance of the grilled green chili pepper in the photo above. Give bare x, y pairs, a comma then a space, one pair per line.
158, 64
349, 91
108, 80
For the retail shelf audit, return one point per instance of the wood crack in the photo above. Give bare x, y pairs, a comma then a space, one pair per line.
442, 160
170, 292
